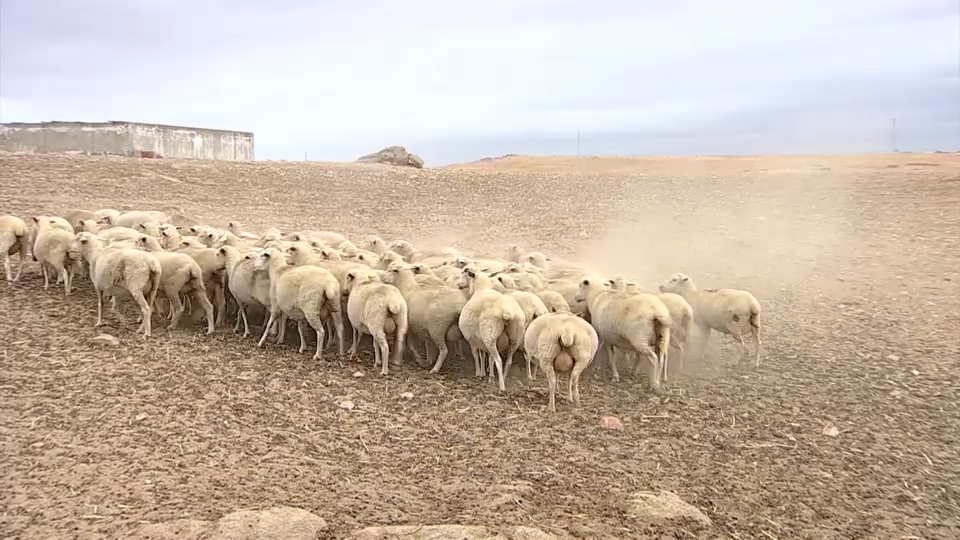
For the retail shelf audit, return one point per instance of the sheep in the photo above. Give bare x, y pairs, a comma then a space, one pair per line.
432, 311
377, 309
115, 270
114, 234
74, 217
302, 293
728, 311
131, 219
53, 221
13, 240
560, 343
404, 249
632, 323
532, 308
487, 319
88, 225
374, 244
190, 242
105, 215
332, 238
148, 227
568, 289
181, 275
170, 238
237, 230
681, 314
553, 300
213, 276
246, 284
423, 274
387, 258
53, 251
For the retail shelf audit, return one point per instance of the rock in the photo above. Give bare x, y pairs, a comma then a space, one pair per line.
664, 507
273, 524
105, 339
611, 422
280, 523
393, 155
407, 395
346, 405
448, 532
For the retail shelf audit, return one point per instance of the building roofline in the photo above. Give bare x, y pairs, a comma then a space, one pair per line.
69, 123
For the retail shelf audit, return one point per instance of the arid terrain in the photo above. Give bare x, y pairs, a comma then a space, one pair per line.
855, 259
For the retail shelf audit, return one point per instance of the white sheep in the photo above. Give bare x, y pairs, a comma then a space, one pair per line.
561, 343
728, 311
301, 293
374, 243
328, 237
488, 320
377, 309
247, 285
213, 277
74, 217
51, 221
634, 323
180, 275
105, 215
53, 251
532, 308
681, 316
151, 228
88, 225
237, 230
433, 312
14, 236
116, 270
131, 219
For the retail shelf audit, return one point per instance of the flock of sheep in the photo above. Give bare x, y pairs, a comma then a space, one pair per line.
557, 314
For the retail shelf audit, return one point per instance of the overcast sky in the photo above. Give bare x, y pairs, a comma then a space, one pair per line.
457, 81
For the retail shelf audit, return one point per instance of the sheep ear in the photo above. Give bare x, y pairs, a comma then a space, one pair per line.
685, 278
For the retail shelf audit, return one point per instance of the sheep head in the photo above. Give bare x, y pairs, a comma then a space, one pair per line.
678, 283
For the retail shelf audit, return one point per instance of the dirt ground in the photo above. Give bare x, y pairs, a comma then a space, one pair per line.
856, 261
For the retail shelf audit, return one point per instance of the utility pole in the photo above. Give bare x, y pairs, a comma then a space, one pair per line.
893, 135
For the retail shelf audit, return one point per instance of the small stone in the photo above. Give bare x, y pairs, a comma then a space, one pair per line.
358, 374
611, 422
346, 405
407, 395
105, 339
654, 400
140, 417
893, 357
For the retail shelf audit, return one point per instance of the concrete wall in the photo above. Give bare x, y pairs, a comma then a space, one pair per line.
122, 138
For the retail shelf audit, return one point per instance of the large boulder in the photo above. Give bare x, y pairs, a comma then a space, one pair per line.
448, 532
665, 508
281, 523
393, 155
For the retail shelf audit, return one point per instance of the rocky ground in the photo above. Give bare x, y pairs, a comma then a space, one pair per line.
855, 260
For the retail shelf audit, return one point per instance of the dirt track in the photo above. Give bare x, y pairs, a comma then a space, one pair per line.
855, 261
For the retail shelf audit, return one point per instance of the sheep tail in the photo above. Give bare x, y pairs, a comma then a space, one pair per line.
567, 336
661, 330
395, 306
755, 318
154, 280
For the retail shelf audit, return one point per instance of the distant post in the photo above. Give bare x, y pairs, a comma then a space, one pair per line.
893, 135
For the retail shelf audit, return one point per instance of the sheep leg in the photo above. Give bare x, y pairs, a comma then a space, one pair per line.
356, 342
274, 314
338, 323
415, 352
6, 265
478, 369
578, 368
46, 278
221, 299
381, 345
99, 308
399, 342
497, 363
317, 324
552, 384
144, 310
207, 307
612, 359
704, 332
176, 308
20, 267
442, 352
66, 281
756, 336
303, 339
240, 317
282, 329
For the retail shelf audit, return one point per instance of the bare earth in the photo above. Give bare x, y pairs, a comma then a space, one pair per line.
854, 259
